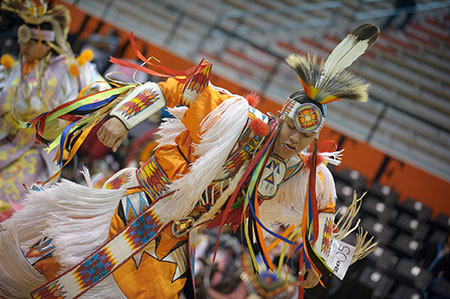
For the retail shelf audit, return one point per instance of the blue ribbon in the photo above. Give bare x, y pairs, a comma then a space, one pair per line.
64, 135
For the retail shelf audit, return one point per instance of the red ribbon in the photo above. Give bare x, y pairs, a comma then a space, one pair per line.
312, 195
163, 72
328, 146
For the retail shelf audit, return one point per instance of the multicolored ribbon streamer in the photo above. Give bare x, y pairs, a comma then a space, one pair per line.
252, 225
64, 111
310, 222
83, 114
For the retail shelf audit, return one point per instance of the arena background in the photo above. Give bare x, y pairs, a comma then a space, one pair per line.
396, 145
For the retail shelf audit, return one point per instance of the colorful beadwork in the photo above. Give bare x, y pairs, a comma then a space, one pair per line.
273, 175
293, 167
53, 290
182, 226
142, 230
133, 204
327, 233
308, 118
242, 154
117, 182
195, 85
288, 106
35, 187
254, 113
104, 260
42, 249
153, 179
141, 101
94, 268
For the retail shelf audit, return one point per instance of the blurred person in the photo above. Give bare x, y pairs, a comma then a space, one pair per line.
407, 6
218, 278
104, 46
219, 162
46, 75
435, 258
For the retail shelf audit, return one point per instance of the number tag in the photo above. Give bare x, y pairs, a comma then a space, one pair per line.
341, 255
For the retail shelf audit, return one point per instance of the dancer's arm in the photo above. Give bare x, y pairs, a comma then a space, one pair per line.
137, 106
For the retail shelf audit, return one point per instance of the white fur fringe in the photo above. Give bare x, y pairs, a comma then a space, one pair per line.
170, 128
63, 212
222, 128
287, 205
17, 277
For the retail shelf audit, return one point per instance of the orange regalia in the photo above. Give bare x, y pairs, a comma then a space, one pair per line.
183, 181
136, 236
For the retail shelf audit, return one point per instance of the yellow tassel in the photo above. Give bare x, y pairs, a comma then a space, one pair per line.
250, 249
74, 70
7, 61
291, 237
363, 248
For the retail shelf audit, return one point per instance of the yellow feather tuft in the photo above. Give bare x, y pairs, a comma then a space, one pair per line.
87, 55
81, 60
7, 61
41, 10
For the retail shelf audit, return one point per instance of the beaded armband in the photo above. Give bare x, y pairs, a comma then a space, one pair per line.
139, 104
326, 226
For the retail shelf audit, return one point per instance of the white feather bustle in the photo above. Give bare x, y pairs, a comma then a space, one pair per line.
222, 128
170, 128
63, 212
17, 277
287, 206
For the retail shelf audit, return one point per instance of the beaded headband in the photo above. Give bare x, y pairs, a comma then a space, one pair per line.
25, 33
307, 117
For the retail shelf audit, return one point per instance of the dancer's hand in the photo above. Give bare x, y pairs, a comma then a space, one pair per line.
112, 133
311, 279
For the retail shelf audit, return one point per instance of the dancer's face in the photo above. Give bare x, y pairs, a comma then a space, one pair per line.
33, 50
291, 141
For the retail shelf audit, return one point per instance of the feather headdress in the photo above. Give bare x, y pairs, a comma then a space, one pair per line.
326, 81
39, 12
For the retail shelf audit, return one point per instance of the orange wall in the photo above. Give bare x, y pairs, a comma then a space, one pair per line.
407, 180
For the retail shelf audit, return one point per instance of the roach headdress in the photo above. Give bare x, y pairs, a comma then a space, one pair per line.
327, 81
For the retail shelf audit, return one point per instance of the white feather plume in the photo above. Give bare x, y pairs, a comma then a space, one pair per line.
349, 49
